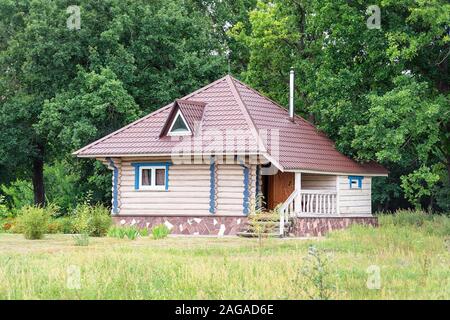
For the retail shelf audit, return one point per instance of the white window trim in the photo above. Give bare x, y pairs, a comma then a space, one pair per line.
152, 185
180, 133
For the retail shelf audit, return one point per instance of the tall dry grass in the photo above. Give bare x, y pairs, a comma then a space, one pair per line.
413, 263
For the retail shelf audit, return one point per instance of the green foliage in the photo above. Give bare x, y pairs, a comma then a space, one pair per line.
33, 222
96, 103
18, 194
4, 211
263, 223
62, 89
315, 275
131, 232
432, 224
408, 256
66, 224
116, 232
63, 185
144, 232
406, 218
92, 220
54, 226
382, 95
418, 184
160, 231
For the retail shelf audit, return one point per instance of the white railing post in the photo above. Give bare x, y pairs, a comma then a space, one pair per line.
281, 223
286, 209
317, 202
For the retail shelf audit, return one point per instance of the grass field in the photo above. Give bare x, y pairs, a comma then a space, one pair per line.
413, 264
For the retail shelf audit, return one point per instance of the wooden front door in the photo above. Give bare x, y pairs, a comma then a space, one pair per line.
280, 187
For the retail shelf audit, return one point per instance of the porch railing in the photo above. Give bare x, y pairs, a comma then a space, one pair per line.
317, 202
286, 210
307, 202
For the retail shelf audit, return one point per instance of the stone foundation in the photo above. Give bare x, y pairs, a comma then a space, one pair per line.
223, 225
314, 227
188, 225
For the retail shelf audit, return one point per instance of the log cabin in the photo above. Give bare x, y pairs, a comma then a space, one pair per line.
202, 164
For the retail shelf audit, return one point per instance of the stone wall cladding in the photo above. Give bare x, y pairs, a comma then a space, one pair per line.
314, 227
188, 225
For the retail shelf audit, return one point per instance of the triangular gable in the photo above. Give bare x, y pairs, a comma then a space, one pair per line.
188, 112
179, 125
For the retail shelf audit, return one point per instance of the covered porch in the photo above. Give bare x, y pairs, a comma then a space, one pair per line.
307, 201
303, 194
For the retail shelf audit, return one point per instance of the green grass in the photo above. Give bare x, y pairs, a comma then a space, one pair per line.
414, 264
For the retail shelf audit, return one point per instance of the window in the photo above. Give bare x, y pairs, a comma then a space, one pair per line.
179, 126
355, 182
151, 176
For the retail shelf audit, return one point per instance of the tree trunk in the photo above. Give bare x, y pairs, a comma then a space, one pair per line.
38, 178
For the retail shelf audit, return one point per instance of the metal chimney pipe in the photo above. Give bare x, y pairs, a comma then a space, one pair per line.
291, 94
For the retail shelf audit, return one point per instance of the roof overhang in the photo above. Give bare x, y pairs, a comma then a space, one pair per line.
136, 155
338, 173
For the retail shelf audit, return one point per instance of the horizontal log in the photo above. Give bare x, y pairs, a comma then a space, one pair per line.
165, 206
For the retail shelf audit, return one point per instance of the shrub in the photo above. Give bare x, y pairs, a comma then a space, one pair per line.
33, 222
315, 277
143, 232
116, 232
67, 224
18, 194
92, 220
432, 224
406, 218
130, 232
439, 226
160, 231
6, 225
54, 226
62, 185
4, 212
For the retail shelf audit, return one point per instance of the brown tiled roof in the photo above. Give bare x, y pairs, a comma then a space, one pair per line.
229, 105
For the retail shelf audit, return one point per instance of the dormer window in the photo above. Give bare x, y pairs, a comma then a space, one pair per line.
179, 126
183, 118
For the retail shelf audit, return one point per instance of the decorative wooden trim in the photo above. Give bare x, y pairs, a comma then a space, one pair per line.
357, 178
338, 200
115, 201
137, 166
212, 186
245, 202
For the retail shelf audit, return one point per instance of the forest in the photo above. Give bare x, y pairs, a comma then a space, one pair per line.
376, 81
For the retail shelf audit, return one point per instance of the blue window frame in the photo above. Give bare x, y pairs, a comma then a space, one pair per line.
355, 182
151, 175
115, 207
212, 186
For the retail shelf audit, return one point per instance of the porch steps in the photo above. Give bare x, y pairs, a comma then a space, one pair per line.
263, 224
246, 234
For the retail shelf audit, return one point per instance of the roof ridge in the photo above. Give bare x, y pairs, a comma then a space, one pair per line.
287, 112
199, 103
274, 102
246, 114
148, 115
